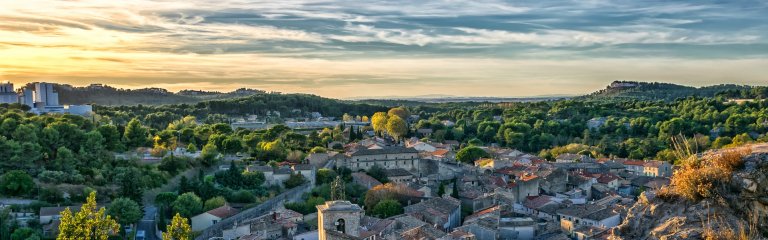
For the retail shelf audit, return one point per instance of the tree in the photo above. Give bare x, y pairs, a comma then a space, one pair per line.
379, 122
470, 154
396, 127
188, 204
324, 175
398, 111
455, 193
378, 173
387, 208
89, 223
135, 134
165, 199
16, 183
179, 229
127, 178
441, 190
318, 149
214, 203
25, 233
125, 211
252, 180
210, 154
295, 180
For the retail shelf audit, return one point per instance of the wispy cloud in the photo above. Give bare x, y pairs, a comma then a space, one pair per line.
329, 46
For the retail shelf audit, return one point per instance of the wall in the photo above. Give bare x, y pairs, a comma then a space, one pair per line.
261, 209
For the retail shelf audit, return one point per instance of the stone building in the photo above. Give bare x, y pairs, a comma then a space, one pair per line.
339, 220
388, 158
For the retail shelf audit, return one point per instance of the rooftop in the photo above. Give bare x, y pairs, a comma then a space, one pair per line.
397, 172
387, 150
223, 211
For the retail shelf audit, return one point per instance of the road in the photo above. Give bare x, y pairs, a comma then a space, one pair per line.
147, 223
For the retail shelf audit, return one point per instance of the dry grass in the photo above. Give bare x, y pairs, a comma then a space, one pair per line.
701, 178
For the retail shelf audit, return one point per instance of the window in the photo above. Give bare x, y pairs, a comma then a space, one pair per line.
215, 221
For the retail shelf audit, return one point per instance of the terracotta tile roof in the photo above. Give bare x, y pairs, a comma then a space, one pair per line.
606, 178
634, 162
439, 152
365, 180
223, 211
537, 202
653, 164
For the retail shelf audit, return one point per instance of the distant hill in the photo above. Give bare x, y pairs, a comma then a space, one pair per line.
106, 95
658, 91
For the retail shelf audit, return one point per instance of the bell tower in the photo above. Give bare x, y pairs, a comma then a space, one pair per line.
338, 218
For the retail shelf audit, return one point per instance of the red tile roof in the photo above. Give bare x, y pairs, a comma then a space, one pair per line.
634, 162
440, 152
223, 211
606, 178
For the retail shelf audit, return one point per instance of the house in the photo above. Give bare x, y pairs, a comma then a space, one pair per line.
399, 175
318, 159
365, 180
458, 234
543, 207
278, 224
635, 167
388, 158
570, 158
49, 214
211, 217
443, 155
521, 228
610, 180
424, 147
424, 132
592, 215
657, 169
307, 170
443, 212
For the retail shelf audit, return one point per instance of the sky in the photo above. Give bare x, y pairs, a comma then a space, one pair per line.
354, 48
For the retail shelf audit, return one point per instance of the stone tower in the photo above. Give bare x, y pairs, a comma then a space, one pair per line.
335, 219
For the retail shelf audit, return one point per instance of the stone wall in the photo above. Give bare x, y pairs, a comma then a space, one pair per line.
291, 195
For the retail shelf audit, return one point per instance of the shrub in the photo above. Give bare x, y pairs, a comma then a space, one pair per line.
702, 178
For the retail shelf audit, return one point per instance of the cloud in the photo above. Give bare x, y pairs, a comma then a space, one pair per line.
334, 46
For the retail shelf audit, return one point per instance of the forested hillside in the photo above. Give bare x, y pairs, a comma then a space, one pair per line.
263, 104
659, 91
110, 96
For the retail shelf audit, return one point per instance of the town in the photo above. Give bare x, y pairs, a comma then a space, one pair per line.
366, 180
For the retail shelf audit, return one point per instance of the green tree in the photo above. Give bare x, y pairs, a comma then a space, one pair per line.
470, 154
324, 175
125, 211
294, 180
89, 223
25, 233
16, 183
179, 229
165, 199
188, 204
135, 134
387, 208
378, 173
210, 154
253, 180
214, 203
441, 190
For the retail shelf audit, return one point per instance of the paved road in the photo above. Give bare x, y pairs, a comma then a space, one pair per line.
147, 223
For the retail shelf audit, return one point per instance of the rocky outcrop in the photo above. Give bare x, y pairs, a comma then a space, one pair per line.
739, 210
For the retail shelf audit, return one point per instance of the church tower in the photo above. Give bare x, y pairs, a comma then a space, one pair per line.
338, 220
